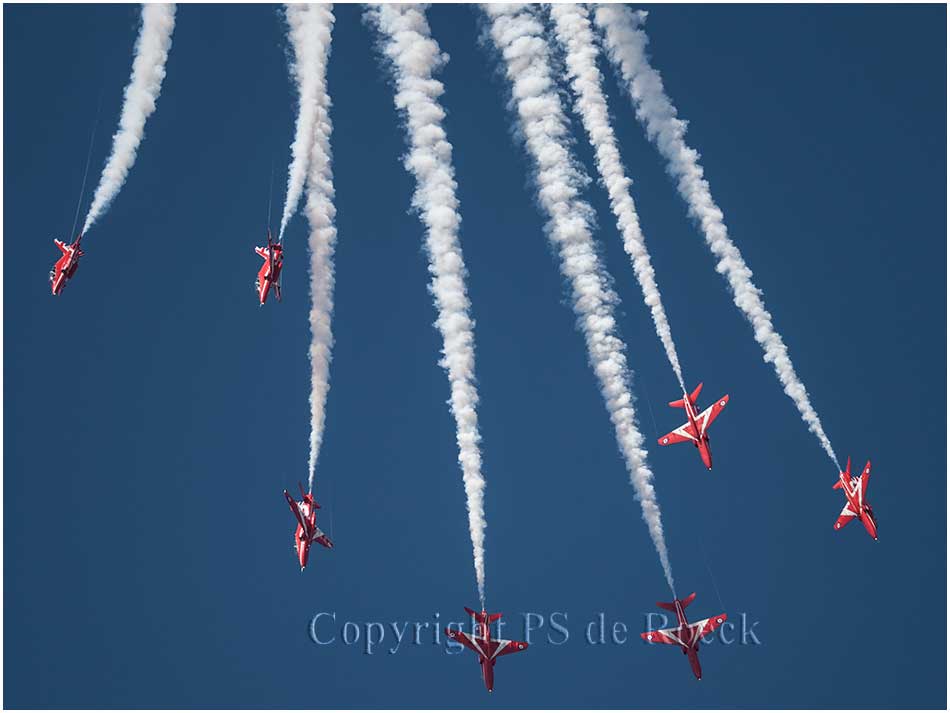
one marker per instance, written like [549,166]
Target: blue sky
[154,413]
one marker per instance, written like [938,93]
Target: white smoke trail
[148,71]
[573,31]
[309,32]
[519,37]
[626,44]
[414,57]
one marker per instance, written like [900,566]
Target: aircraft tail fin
[304,495]
[846,474]
[671,606]
[681,403]
[481,617]
[695,395]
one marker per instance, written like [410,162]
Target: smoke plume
[414,57]
[310,28]
[626,43]
[573,31]
[519,37]
[148,71]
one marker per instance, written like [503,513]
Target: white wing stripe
[502,643]
[681,431]
[671,633]
[474,642]
[697,629]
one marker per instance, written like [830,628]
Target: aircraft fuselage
[853,492]
[702,439]
[685,634]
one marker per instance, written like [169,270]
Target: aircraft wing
[706,626]
[295,510]
[664,636]
[682,434]
[706,418]
[865,476]
[321,537]
[466,640]
[845,517]
[262,252]
[506,647]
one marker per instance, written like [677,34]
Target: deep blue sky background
[154,413]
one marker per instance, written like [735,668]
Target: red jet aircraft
[307,531]
[487,648]
[855,488]
[687,636]
[269,274]
[66,266]
[696,426]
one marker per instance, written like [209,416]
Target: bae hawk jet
[687,636]
[269,274]
[855,487]
[66,266]
[305,510]
[487,648]
[696,428]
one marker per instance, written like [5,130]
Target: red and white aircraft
[487,648]
[307,532]
[269,274]
[687,636]
[855,488]
[66,266]
[697,425]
